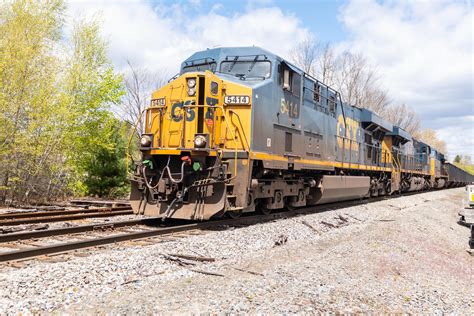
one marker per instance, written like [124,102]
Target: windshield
[200,67]
[247,69]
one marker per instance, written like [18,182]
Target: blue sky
[423,50]
[320,16]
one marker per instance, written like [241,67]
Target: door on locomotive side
[287,128]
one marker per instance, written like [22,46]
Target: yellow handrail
[241,127]
[244,142]
[127,149]
[226,119]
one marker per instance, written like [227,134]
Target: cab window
[200,67]
[247,69]
[290,80]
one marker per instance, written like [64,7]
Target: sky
[423,50]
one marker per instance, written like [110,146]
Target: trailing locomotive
[241,129]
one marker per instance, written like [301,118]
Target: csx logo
[177,110]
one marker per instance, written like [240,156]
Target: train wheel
[264,209]
[233,214]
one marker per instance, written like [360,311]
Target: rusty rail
[16,215]
[62,216]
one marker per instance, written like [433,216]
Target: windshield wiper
[253,63]
[233,64]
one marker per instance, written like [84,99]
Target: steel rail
[74,230]
[104,203]
[93,242]
[49,219]
[15,215]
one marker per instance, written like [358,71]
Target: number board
[237,99]
[158,102]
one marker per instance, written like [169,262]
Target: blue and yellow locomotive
[241,129]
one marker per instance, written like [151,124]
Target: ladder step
[230,196]
[235,208]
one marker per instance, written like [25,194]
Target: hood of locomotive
[198,113]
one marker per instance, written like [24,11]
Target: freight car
[242,129]
[456,175]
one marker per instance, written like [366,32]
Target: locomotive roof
[220,53]
[400,132]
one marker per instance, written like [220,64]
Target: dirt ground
[410,259]
[403,255]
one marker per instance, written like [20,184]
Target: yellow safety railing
[228,127]
[218,111]
[127,149]
[135,127]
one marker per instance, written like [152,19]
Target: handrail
[127,149]
[226,119]
[245,143]
[242,128]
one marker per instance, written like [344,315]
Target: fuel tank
[340,188]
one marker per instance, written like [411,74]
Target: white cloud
[196,3]
[459,137]
[425,56]
[162,36]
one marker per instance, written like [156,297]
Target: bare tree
[404,117]
[351,74]
[430,137]
[316,59]
[139,83]
[305,55]
[358,83]
[466,160]
[326,70]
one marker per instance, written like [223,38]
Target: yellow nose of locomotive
[197,112]
[195,129]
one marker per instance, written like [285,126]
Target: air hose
[166,168]
[169,172]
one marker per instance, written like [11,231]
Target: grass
[468,168]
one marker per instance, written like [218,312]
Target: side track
[11,219]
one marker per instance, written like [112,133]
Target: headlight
[145,140]
[200,141]
[191,83]
[191,91]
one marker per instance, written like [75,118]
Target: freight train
[242,130]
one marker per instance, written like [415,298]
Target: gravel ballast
[406,254]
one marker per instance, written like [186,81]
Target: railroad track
[19,218]
[143,229]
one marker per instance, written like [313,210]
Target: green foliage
[464,162]
[468,168]
[55,95]
[105,167]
